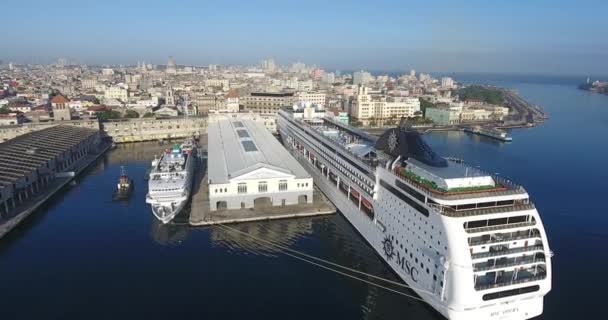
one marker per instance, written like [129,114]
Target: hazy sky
[567,37]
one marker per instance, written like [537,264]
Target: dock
[201,214]
[42,193]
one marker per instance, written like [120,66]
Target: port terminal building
[248,166]
[30,162]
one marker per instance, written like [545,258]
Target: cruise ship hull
[166,204]
[383,229]
[367,229]
[374,237]
[166,211]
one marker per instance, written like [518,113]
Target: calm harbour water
[84,256]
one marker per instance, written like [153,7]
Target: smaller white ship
[170,180]
[489,132]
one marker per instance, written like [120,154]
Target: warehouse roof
[24,154]
[238,147]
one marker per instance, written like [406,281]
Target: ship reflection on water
[328,238]
[261,238]
[340,244]
[169,234]
[348,248]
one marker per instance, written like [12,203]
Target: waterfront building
[30,162]
[443,115]
[248,166]
[365,106]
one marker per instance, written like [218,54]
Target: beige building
[61,108]
[317,98]
[247,166]
[117,93]
[218,83]
[366,106]
[264,102]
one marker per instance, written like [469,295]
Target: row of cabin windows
[346,170]
[398,207]
[334,155]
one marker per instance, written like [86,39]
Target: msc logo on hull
[390,252]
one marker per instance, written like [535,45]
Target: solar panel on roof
[238,124]
[249,146]
[243,133]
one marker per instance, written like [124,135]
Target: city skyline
[547,37]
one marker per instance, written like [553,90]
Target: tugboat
[124,186]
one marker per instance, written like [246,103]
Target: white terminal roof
[239,146]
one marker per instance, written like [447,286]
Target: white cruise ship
[170,180]
[471,244]
[489,132]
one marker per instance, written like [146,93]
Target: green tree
[108,114]
[355,123]
[4,110]
[425,104]
[485,94]
[149,115]
[131,114]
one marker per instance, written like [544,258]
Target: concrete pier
[201,215]
[23,210]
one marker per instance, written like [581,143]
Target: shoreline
[63,178]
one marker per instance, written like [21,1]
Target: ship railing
[451,212]
[511,236]
[539,276]
[505,182]
[483,255]
[513,262]
[501,227]
[337,145]
[453,195]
